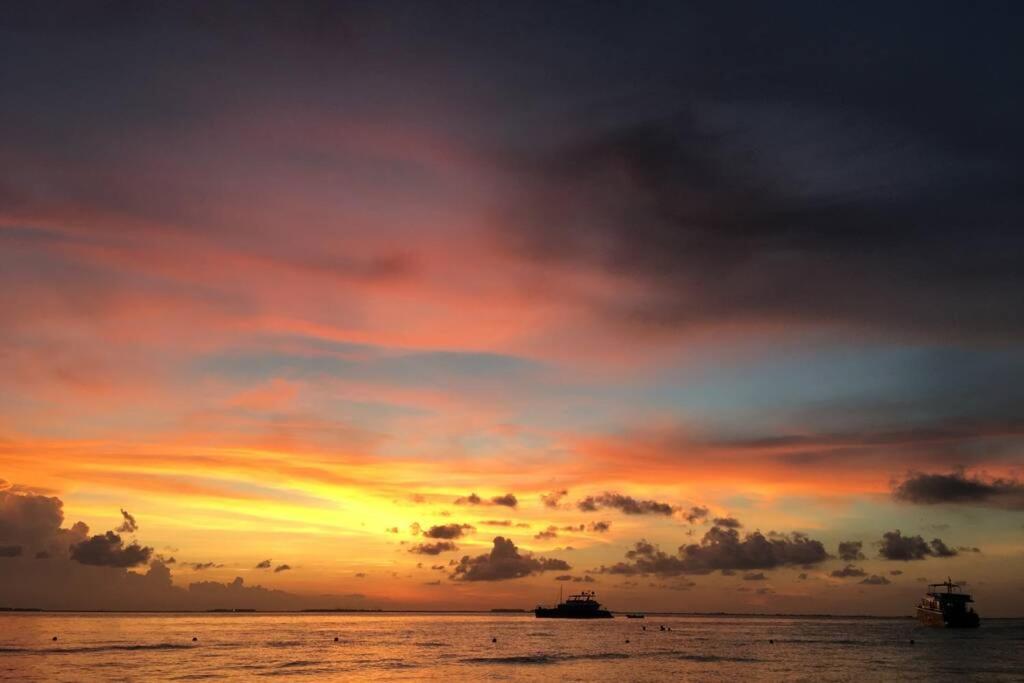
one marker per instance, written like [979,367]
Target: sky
[701,306]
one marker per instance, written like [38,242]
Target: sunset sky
[715,307]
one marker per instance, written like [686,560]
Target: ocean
[512,647]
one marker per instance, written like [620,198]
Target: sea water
[515,647]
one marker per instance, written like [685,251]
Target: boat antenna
[559,593]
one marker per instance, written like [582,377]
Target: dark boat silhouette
[947,608]
[582,606]
[635,616]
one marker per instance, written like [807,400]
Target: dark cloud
[722,549]
[586,578]
[10,550]
[448,531]
[727,522]
[940,549]
[876,580]
[957,488]
[504,562]
[129,525]
[724,207]
[600,527]
[29,519]
[850,551]
[553,498]
[895,546]
[625,504]
[433,548]
[281,568]
[108,550]
[507,500]
[848,571]
[89,573]
[968,549]
[265,564]
[200,566]
[696,514]
[549,533]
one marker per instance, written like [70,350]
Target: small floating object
[911,641]
[494,640]
[335,638]
[194,639]
[771,642]
[55,638]
[643,628]
[627,640]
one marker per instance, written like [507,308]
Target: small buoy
[627,640]
[494,640]
[335,638]
[194,639]
[643,628]
[911,641]
[55,638]
[771,642]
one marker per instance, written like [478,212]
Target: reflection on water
[416,646]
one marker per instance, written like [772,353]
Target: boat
[635,616]
[947,608]
[581,606]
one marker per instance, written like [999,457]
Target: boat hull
[937,619]
[553,613]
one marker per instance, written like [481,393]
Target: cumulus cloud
[265,564]
[895,546]
[507,500]
[625,504]
[696,514]
[848,571]
[281,568]
[553,498]
[104,572]
[727,522]
[600,527]
[504,562]
[722,549]
[957,488]
[108,550]
[200,566]
[549,533]
[876,580]
[433,548]
[448,531]
[128,525]
[850,551]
